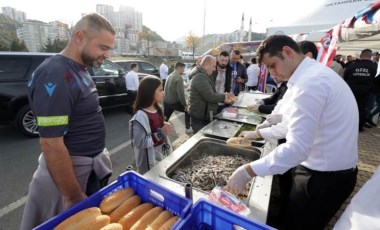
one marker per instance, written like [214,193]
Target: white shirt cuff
[260,168]
[266,133]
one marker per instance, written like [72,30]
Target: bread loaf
[160,220]
[147,218]
[115,199]
[93,223]
[134,215]
[169,223]
[78,217]
[112,226]
[131,203]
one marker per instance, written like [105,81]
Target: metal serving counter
[258,196]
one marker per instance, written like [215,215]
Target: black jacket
[360,75]
[227,84]
[271,102]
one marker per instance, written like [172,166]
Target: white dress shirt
[323,124]
[132,81]
[163,71]
[253,72]
[279,130]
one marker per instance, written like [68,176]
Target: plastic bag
[228,200]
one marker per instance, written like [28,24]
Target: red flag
[328,45]
[262,79]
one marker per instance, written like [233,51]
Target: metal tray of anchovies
[222,129]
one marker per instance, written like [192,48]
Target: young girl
[147,127]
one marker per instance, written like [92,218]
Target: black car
[15,71]
[145,68]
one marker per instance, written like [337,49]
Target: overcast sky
[173,19]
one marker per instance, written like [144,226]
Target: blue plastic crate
[208,216]
[147,190]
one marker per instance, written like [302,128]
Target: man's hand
[230,98]
[249,135]
[263,125]
[239,80]
[68,202]
[238,180]
[274,118]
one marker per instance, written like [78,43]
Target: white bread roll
[160,220]
[133,216]
[115,199]
[78,217]
[93,223]
[147,218]
[169,223]
[112,226]
[131,203]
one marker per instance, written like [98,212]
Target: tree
[18,45]
[4,46]
[54,47]
[192,42]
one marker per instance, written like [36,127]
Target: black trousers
[197,124]
[94,184]
[362,101]
[315,197]
[170,108]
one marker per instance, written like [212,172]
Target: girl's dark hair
[145,94]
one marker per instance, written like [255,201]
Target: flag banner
[328,45]
[262,78]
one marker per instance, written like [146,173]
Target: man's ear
[80,36]
[287,51]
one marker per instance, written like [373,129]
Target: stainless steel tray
[253,119]
[247,98]
[221,128]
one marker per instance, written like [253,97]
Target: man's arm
[60,166]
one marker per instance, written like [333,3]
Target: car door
[110,82]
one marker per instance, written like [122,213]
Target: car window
[124,65]
[13,68]
[107,68]
[147,67]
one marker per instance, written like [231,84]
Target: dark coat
[271,102]
[360,75]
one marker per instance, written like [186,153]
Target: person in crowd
[323,159]
[238,74]
[164,70]
[267,105]
[132,83]
[359,76]
[338,59]
[309,49]
[253,72]
[147,127]
[373,107]
[64,100]
[172,66]
[204,99]
[222,76]
[174,98]
[337,67]
[350,60]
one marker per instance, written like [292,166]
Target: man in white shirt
[322,137]
[253,72]
[132,83]
[164,69]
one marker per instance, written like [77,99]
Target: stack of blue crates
[208,216]
[147,190]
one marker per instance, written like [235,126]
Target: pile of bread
[121,210]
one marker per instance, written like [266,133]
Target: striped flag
[328,45]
